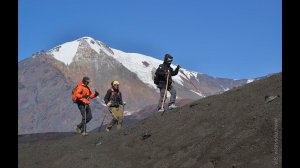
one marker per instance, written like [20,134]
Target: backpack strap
[82,90]
[113,93]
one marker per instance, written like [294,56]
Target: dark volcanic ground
[238,128]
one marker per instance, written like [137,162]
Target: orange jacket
[83,90]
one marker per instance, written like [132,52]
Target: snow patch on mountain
[139,64]
[97,45]
[184,74]
[128,113]
[93,44]
[65,52]
[144,66]
[200,94]
[250,80]
[224,89]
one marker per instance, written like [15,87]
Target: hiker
[161,81]
[113,100]
[83,94]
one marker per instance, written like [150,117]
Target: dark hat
[85,78]
[168,58]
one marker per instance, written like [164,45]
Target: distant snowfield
[250,80]
[66,52]
[143,66]
[139,64]
[200,94]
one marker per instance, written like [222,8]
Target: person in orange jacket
[83,94]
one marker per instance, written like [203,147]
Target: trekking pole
[190,81]
[85,119]
[99,142]
[166,88]
[102,122]
[123,113]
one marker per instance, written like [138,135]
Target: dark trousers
[172,98]
[84,110]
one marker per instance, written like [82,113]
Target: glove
[108,104]
[178,66]
[85,96]
[96,93]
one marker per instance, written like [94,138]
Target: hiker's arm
[91,95]
[173,73]
[106,98]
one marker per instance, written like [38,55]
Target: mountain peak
[67,51]
[86,38]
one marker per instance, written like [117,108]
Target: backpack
[155,78]
[74,98]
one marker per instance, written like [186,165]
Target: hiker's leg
[82,111]
[89,115]
[112,122]
[120,117]
[114,119]
[173,95]
[162,92]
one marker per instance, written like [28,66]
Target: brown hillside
[239,128]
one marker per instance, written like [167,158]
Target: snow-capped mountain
[142,65]
[46,79]
[67,51]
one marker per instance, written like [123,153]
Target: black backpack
[155,78]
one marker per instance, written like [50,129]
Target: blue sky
[223,38]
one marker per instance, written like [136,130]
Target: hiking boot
[78,130]
[84,134]
[172,106]
[161,110]
[107,129]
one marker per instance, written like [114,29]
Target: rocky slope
[239,128]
